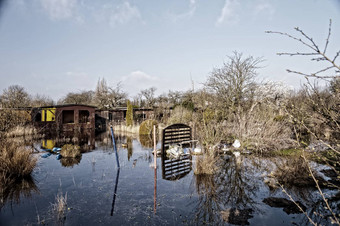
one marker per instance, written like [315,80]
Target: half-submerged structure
[64,118]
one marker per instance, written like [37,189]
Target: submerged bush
[146,127]
[206,165]
[16,161]
[70,162]
[70,151]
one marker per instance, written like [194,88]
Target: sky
[53,47]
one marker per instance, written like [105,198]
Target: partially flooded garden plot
[238,192]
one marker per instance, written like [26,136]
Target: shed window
[68,116]
[84,116]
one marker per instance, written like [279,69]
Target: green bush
[146,128]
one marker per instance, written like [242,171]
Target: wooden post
[155,166]
[154,146]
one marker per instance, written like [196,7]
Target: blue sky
[53,47]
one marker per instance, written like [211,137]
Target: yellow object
[48,115]
[48,144]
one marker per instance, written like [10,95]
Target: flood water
[98,193]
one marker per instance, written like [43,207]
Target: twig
[329,34]
[297,204]
[320,191]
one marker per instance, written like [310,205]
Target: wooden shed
[68,117]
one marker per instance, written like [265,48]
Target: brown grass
[59,207]
[262,130]
[16,161]
[70,151]
[206,164]
[21,130]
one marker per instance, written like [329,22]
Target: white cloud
[186,15]
[119,14]
[138,80]
[228,13]
[112,13]
[59,9]
[264,8]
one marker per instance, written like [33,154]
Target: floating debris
[237,144]
[46,155]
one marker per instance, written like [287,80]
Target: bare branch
[329,34]
[314,75]
[292,37]
[320,191]
[316,48]
[298,54]
[336,56]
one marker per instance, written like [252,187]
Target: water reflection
[115,192]
[70,162]
[231,190]
[11,190]
[129,147]
[85,140]
[146,140]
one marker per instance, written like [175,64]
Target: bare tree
[83,97]
[15,96]
[108,97]
[234,82]
[116,96]
[148,96]
[101,94]
[41,100]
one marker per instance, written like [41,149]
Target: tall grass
[16,161]
[206,164]
[59,208]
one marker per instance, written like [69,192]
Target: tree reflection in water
[11,189]
[229,191]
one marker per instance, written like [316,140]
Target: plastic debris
[237,144]
[59,156]
[45,155]
[55,149]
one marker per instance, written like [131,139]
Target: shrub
[206,165]
[180,115]
[16,161]
[146,127]
[70,162]
[70,151]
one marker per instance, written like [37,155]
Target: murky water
[98,193]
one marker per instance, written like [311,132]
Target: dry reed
[60,207]
[70,151]
[206,164]
[16,161]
